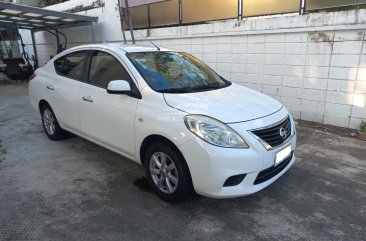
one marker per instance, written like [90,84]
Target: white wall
[314,64]
[107,29]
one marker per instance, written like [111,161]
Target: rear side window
[71,65]
[105,68]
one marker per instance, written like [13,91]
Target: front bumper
[211,166]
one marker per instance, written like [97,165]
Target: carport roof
[37,19]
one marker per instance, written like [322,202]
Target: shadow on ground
[76,190]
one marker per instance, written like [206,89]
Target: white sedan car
[191,129]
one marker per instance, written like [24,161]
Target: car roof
[128,48]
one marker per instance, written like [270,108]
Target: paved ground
[75,190]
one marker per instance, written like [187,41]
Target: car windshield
[175,72]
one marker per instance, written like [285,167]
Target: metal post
[58,49]
[239,9]
[130,21]
[34,50]
[121,16]
[180,12]
[148,21]
[92,32]
[302,9]
[15,50]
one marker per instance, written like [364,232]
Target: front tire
[51,125]
[167,173]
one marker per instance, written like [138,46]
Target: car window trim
[131,82]
[111,52]
[87,67]
[63,64]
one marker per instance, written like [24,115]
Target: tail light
[32,76]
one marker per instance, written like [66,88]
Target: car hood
[231,104]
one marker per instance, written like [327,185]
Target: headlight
[214,132]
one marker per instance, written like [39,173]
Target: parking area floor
[76,190]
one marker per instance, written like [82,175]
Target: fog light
[234,180]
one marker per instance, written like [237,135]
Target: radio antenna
[157,47]
[154,45]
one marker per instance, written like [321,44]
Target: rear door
[107,118]
[65,88]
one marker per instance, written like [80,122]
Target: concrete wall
[314,64]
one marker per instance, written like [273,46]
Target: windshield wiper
[191,89]
[174,90]
[207,87]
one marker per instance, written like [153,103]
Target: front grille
[234,180]
[268,173]
[272,135]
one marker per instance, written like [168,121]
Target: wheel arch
[156,138]
[41,103]
[153,138]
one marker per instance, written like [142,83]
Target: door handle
[50,87]
[87,98]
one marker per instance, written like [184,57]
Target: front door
[107,118]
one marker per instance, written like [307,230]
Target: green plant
[362,127]
[45,3]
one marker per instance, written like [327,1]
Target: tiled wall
[318,76]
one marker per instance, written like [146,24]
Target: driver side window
[105,68]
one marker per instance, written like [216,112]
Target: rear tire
[167,173]
[51,125]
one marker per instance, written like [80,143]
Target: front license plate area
[282,155]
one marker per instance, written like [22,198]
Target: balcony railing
[188,12]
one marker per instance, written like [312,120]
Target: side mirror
[119,87]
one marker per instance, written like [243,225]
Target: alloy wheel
[163,172]
[49,122]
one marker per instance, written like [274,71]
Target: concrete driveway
[76,190]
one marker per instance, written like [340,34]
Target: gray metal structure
[36,19]
[16,16]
